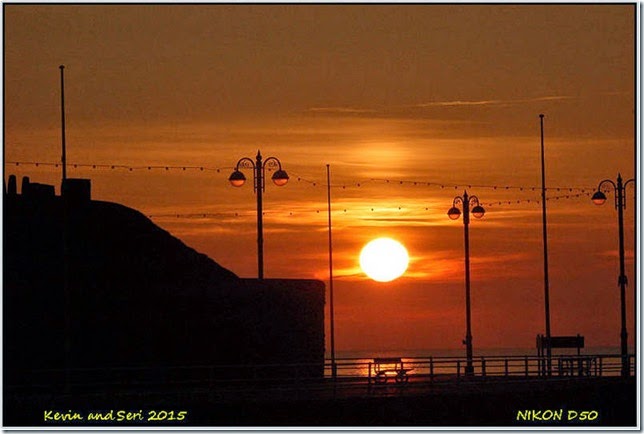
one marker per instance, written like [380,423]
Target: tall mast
[62,120]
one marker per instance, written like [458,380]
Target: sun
[384,259]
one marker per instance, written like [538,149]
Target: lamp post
[620,203]
[237,179]
[546,284]
[454,213]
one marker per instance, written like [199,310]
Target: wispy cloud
[341,110]
[616,93]
[452,103]
[491,102]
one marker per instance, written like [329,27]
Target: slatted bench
[385,367]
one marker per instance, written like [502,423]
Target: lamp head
[280,177]
[237,178]
[598,198]
[478,211]
[454,213]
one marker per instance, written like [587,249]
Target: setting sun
[384,259]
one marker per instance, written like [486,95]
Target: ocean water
[460,352]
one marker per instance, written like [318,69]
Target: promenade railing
[310,377]
[433,368]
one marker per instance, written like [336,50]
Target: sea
[460,352]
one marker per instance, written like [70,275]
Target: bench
[581,366]
[385,367]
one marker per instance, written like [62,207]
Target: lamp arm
[241,160]
[605,181]
[474,201]
[608,181]
[457,200]
[624,191]
[264,164]
[279,165]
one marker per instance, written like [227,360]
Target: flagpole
[62,120]
[545,254]
[331,313]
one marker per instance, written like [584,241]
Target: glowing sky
[446,95]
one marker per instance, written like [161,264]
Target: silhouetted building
[36,191]
[77,190]
[104,282]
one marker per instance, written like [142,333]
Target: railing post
[506,368]
[595,364]
[601,366]
[458,369]
[431,369]
[527,372]
[483,366]
[369,375]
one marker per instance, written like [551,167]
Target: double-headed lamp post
[237,179]
[620,203]
[454,213]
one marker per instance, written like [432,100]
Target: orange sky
[447,95]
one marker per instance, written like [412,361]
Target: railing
[355,374]
[432,368]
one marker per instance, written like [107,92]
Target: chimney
[13,187]
[25,185]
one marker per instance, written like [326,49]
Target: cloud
[454,103]
[616,93]
[342,110]
[629,254]
[493,102]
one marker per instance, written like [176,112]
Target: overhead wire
[571,192]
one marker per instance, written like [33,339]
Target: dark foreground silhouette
[538,403]
[93,287]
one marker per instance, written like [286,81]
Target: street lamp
[454,213]
[599,198]
[237,179]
